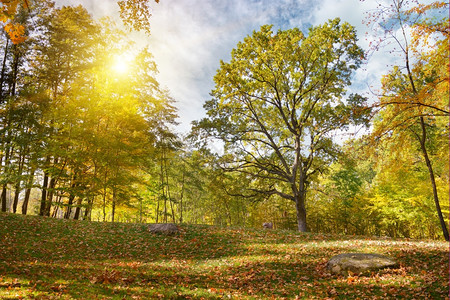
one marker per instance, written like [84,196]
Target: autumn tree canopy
[134,13]
[279,101]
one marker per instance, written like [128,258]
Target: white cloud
[189,38]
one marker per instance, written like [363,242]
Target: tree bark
[7,163]
[26,199]
[87,211]
[113,212]
[181,197]
[301,213]
[18,181]
[51,192]
[78,209]
[2,77]
[422,140]
[15,70]
[69,206]
[432,179]
[71,197]
[16,196]
[4,190]
[44,195]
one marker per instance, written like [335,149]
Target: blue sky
[190,37]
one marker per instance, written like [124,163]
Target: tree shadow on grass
[67,259]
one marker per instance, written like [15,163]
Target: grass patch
[44,258]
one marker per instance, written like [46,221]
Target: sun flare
[121,64]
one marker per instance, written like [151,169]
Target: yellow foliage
[16,32]
[9,8]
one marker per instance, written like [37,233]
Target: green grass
[43,258]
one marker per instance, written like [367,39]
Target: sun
[121,64]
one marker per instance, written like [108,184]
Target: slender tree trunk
[18,181]
[422,140]
[104,204]
[51,192]
[15,70]
[55,211]
[164,196]
[168,190]
[157,209]
[113,212]
[26,199]
[7,163]
[87,211]
[2,77]
[104,197]
[44,189]
[44,195]
[140,210]
[432,179]
[71,198]
[181,198]
[16,196]
[4,192]
[69,206]
[78,209]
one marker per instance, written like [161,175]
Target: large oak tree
[278,103]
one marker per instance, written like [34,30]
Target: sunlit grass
[45,258]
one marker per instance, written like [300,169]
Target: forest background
[86,136]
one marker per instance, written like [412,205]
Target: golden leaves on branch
[8,9]
[16,32]
[136,13]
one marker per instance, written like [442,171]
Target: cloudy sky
[190,37]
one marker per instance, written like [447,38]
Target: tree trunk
[44,195]
[26,200]
[16,196]
[299,193]
[432,179]
[4,190]
[301,214]
[113,212]
[140,210]
[2,77]
[422,140]
[157,209]
[87,211]
[7,163]
[51,192]
[15,70]
[28,192]
[18,181]
[55,211]
[71,198]
[78,209]
[69,206]
[104,205]
[181,198]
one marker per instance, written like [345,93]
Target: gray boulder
[268,225]
[359,263]
[165,228]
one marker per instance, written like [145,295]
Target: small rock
[165,228]
[268,225]
[359,263]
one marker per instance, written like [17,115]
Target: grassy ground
[42,258]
